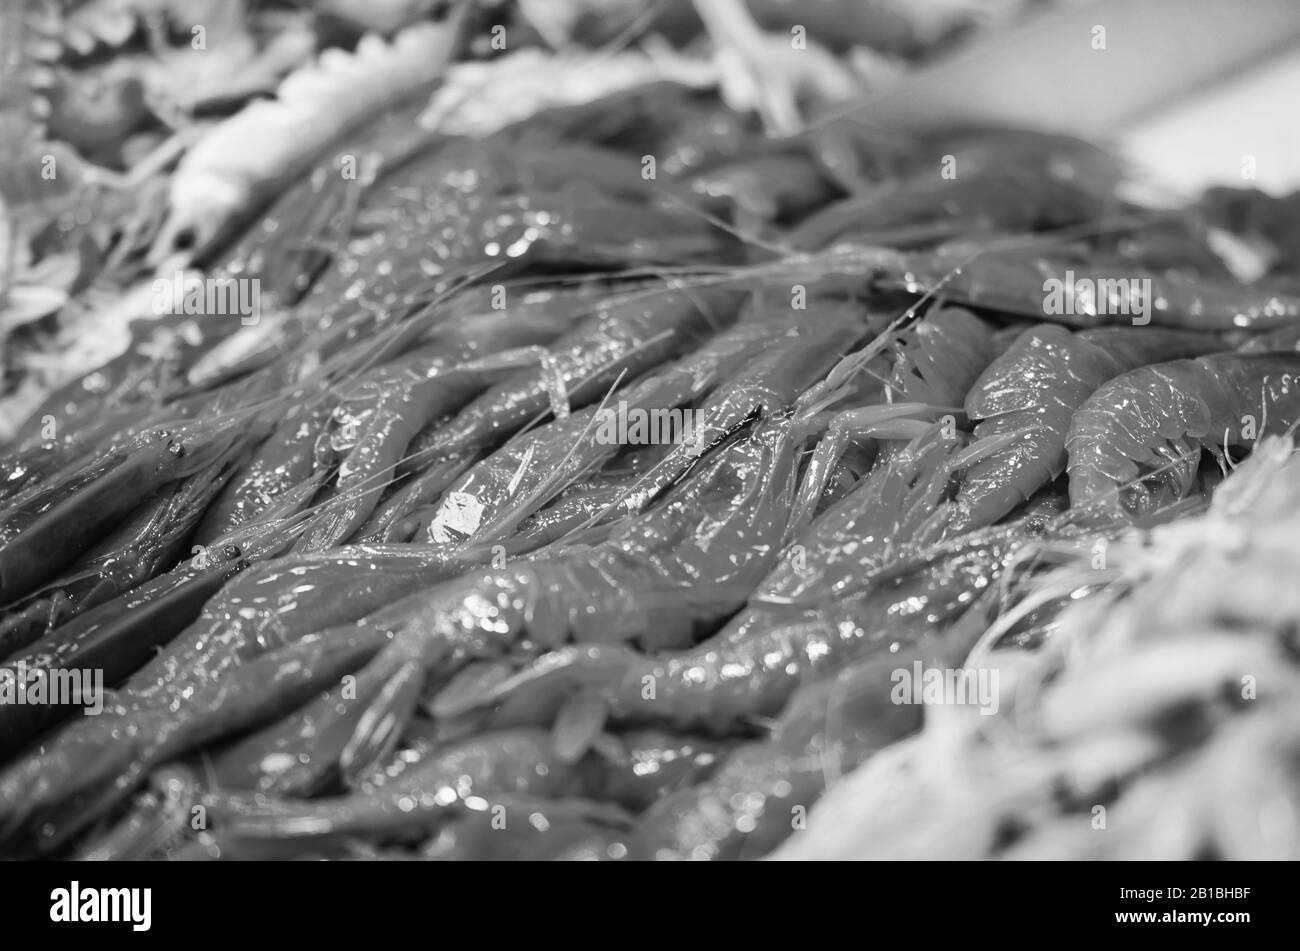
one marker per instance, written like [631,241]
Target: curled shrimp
[1032,391]
[1137,440]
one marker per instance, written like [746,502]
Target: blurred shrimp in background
[409,539]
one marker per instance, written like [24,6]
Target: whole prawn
[1137,440]
[1033,390]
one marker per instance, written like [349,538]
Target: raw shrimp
[359,415]
[1032,391]
[426,786]
[111,641]
[626,336]
[118,636]
[904,504]
[398,516]
[284,459]
[310,224]
[921,210]
[444,210]
[789,632]
[1021,280]
[658,579]
[122,633]
[1137,440]
[521,476]
[580,507]
[499,206]
[274,605]
[47,531]
[150,540]
[381,414]
[935,360]
[1032,277]
[428,783]
[752,667]
[582,225]
[286,599]
[772,382]
[88,767]
[759,793]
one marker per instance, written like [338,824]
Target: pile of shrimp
[1159,721]
[393,571]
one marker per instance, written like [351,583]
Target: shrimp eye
[184,239]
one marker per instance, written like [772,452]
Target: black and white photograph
[650,430]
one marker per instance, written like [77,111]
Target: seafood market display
[603,475]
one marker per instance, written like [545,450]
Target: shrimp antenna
[551,484]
